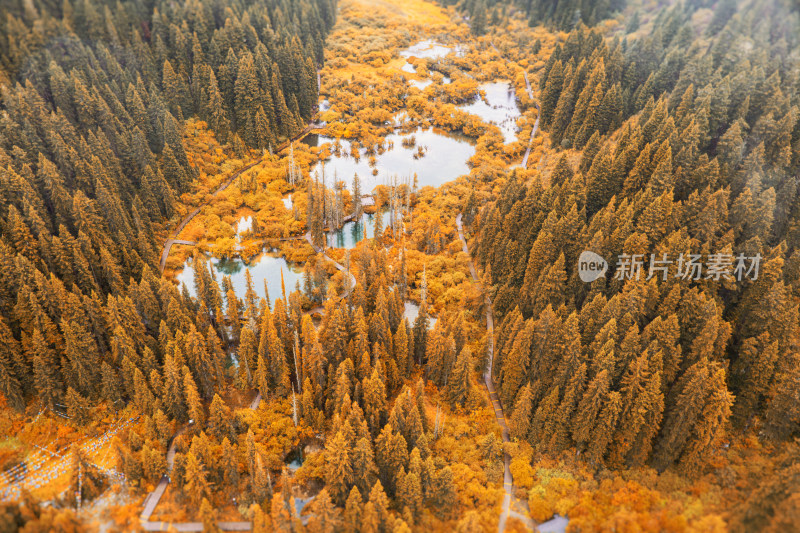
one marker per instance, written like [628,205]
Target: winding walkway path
[173,237]
[535,124]
[509,499]
[152,499]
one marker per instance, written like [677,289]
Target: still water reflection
[444,158]
[499,108]
[264,268]
[429,49]
[352,232]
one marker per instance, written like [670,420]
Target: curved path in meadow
[173,237]
[508,481]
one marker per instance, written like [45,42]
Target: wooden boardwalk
[339,267]
[509,500]
[535,124]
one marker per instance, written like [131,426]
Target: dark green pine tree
[45,371]
[460,384]
[246,92]
[13,371]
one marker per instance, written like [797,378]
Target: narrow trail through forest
[173,238]
[153,498]
[535,124]
[509,499]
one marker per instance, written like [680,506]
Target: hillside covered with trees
[682,138]
[93,161]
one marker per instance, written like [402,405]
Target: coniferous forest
[374,266]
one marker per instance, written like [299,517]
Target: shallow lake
[429,49]
[445,159]
[352,232]
[263,268]
[499,108]
[244,224]
[420,84]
